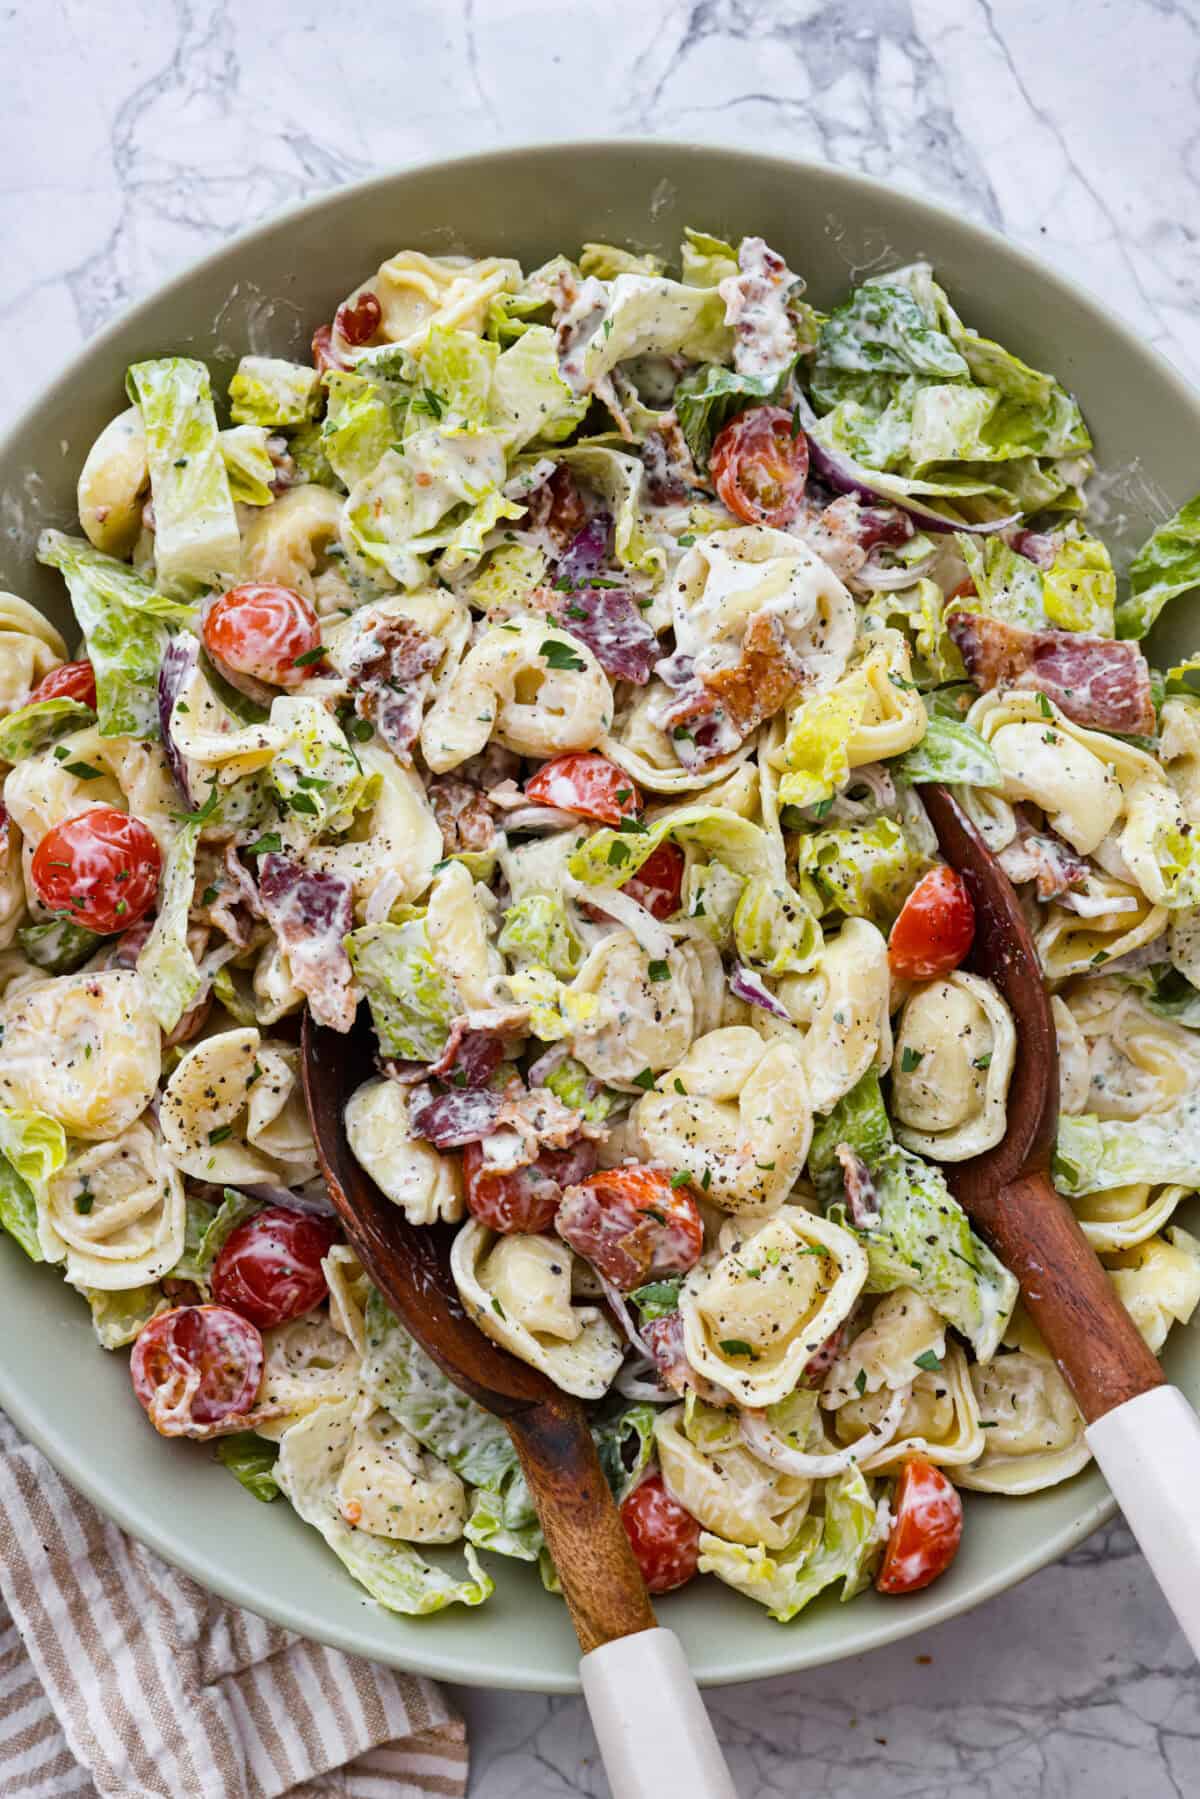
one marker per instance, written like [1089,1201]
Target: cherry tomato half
[196,1369]
[658,883]
[590,785]
[935,929]
[69,681]
[264,630]
[632,1225]
[665,1536]
[759,466]
[926,1531]
[269,1268]
[528,1198]
[101,868]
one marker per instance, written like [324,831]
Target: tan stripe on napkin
[124,1678]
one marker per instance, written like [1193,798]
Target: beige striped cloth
[121,1677]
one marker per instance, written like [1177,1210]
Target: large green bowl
[266,291]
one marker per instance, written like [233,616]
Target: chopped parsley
[560,655]
[910,1059]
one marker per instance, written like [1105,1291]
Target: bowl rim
[119,1502]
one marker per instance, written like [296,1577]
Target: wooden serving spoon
[1143,1433]
[654,1733]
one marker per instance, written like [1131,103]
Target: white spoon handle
[654,1733]
[1149,1453]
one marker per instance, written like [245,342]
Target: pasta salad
[553,666]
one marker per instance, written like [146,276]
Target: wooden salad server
[1143,1433]
[654,1733]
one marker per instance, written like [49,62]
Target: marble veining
[136,135]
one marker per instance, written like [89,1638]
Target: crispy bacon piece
[732,702]
[310,912]
[464,816]
[663,1337]
[670,471]
[386,672]
[452,1120]
[1042,857]
[1093,680]
[557,507]
[611,623]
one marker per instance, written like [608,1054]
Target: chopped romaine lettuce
[248,464]
[1007,586]
[774,930]
[363,419]
[251,1460]
[649,315]
[575,1087]
[840,1546]
[814,752]
[1093,1153]
[609,858]
[529,398]
[706,261]
[538,931]
[1079,589]
[412,1004]
[197,544]
[608,260]
[59,945]
[414,500]
[708,399]
[950,751]
[618,478]
[25,731]
[206,1232]
[118,1317]
[126,625]
[863,871]
[267,390]
[1167,564]
[456,368]
[859,1119]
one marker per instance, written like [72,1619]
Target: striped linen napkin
[121,1678]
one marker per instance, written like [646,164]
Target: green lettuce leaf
[862,871]
[923,1240]
[815,755]
[267,390]
[311,1455]
[1095,1153]
[707,399]
[572,1084]
[248,464]
[251,1460]
[456,368]
[919,612]
[859,1119]
[412,1004]
[306,448]
[706,261]
[658,1299]
[608,260]
[882,328]
[625,1444]
[363,419]
[27,729]
[618,478]
[33,1147]
[419,495]
[126,624]
[18,1211]
[774,931]
[537,931]
[1007,586]
[59,945]
[1167,564]
[207,1230]
[504,1519]
[320,782]
[949,751]
[197,544]
[529,398]
[710,896]
[165,962]
[607,858]
[840,1546]
[649,315]
[118,1317]
[1079,589]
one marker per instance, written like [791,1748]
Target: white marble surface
[135,134]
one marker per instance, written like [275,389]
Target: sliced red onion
[638,1380]
[621,1312]
[311,1198]
[745,984]
[585,555]
[541,1070]
[844,475]
[175,671]
[862,1200]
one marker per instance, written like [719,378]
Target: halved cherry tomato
[658,883]
[269,1268]
[196,1370]
[632,1225]
[69,681]
[590,785]
[358,324]
[935,929]
[759,466]
[926,1531]
[101,868]
[528,1198]
[264,630]
[665,1536]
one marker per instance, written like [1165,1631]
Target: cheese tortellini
[114,1213]
[425,1185]
[735,1111]
[640,745]
[527,685]
[85,1049]
[518,1291]
[1032,1429]
[844,1004]
[297,541]
[29,648]
[724,1486]
[114,484]
[954,1053]
[233,1111]
[307,1363]
[416,291]
[641,1019]
[758,1309]
[1158,1281]
[392,1487]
